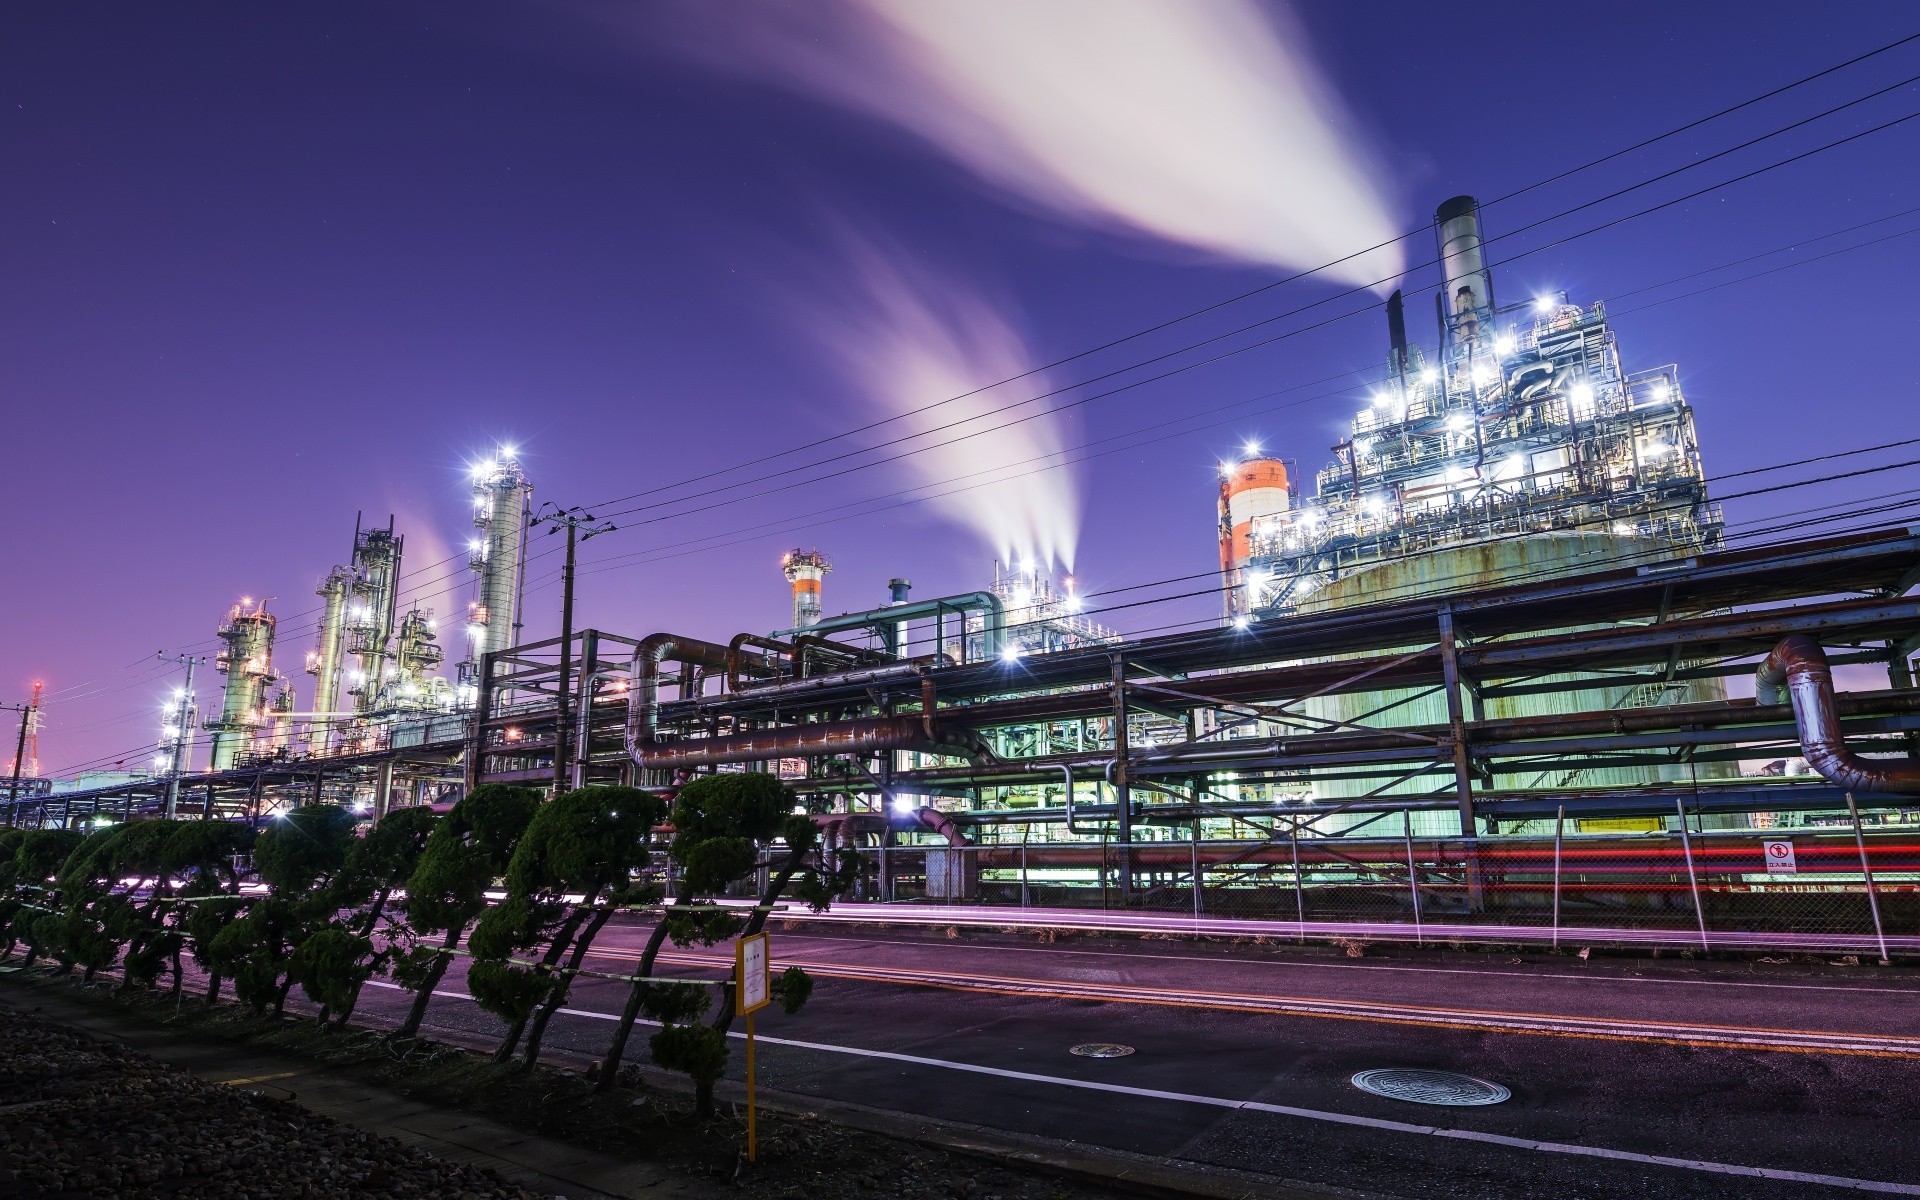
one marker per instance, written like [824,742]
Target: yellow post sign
[752,991]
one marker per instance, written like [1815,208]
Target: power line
[1190,315]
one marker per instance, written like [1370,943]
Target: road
[1243,1056]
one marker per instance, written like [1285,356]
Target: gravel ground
[80,1118]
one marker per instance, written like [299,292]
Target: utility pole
[579,526]
[27,714]
[184,713]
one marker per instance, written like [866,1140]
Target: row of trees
[330,906]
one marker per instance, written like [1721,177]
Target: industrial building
[1507,610]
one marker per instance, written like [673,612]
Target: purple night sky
[269,265]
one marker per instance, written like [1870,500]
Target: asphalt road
[1243,1055]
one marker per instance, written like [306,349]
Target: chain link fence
[1836,881]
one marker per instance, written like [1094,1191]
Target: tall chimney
[1397,360]
[804,569]
[1466,288]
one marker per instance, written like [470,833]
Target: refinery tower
[1521,449]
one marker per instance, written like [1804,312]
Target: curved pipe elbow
[1797,671]
[934,820]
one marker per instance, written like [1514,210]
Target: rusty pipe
[862,736]
[736,662]
[643,681]
[1799,667]
[938,822]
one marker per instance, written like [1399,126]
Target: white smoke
[1201,122]
[910,337]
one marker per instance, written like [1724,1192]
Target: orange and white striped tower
[804,569]
[1249,489]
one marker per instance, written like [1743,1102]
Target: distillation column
[501,495]
[246,659]
[323,661]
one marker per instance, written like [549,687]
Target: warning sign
[1780,858]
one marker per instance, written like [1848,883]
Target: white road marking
[1310,1114]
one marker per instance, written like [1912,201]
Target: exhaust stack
[804,569]
[1466,293]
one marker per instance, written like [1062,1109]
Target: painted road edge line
[1309,1114]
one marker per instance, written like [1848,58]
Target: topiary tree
[467,850]
[587,843]
[36,860]
[377,865]
[722,824]
[199,856]
[298,856]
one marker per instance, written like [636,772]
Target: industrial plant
[1505,610]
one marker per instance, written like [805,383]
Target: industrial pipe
[736,660]
[940,823]
[1801,666]
[863,736]
[887,621]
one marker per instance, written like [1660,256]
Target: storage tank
[1252,489]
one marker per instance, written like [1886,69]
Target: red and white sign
[1780,858]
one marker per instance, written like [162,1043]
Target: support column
[383,790]
[1456,720]
[1122,792]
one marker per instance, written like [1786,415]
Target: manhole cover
[1102,1050]
[1429,1087]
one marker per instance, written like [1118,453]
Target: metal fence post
[1196,868]
[1693,880]
[1559,824]
[1024,900]
[1873,901]
[1299,894]
[1413,877]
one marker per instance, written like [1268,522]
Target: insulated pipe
[863,736]
[643,681]
[736,661]
[1800,665]
[892,615]
[942,824]
[1066,775]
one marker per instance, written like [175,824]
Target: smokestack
[1397,335]
[1249,490]
[804,569]
[1466,287]
[897,590]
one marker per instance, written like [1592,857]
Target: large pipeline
[1800,666]
[863,736]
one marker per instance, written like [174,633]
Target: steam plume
[1200,122]
[906,337]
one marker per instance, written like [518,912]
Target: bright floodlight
[1543,304]
[1242,621]
[1010,654]
[507,452]
[1252,447]
[1430,375]
[903,804]
[1504,345]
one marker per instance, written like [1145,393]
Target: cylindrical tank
[246,659]
[323,662]
[1249,490]
[371,611]
[804,570]
[1467,289]
[500,497]
[1484,565]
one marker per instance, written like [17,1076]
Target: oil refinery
[1505,611]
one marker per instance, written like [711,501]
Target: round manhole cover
[1429,1087]
[1102,1050]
